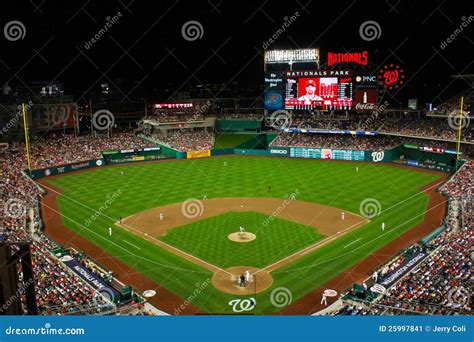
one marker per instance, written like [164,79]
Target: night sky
[144,48]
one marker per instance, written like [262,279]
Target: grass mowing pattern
[146,186]
[207,239]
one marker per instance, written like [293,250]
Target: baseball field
[304,223]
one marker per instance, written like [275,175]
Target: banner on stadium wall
[57,170]
[198,154]
[134,158]
[91,278]
[434,167]
[328,131]
[392,278]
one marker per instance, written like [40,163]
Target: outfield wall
[396,155]
[57,170]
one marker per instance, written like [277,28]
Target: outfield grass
[207,239]
[145,186]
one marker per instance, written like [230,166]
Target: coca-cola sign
[365,106]
[365,99]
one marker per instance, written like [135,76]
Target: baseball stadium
[316,194]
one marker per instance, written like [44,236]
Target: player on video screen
[310,93]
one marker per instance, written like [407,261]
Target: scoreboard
[326,153]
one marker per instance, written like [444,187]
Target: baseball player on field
[324,299]
[343,215]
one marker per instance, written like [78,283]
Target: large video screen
[318,92]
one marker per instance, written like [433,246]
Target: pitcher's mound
[242,237]
[228,281]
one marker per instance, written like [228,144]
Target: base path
[327,220]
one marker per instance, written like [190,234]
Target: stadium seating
[437,285]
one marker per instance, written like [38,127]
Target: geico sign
[279,151]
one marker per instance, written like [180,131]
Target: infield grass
[208,239]
[144,186]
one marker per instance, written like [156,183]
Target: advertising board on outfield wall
[327,153]
[57,170]
[198,154]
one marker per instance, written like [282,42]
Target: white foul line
[131,244]
[352,242]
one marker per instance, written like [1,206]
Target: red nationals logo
[391,76]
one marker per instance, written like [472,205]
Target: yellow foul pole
[460,129]
[27,137]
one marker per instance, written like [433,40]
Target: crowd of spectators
[58,291]
[461,189]
[453,103]
[63,149]
[335,141]
[434,127]
[187,140]
[176,117]
[441,284]
[361,142]
[411,124]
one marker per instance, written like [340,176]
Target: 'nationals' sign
[348,57]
